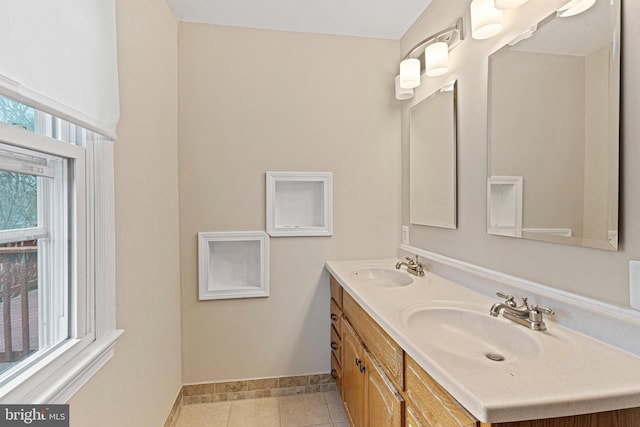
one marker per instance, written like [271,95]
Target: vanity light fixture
[508,4]
[410,73]
[436,59]
[486,20]
[436,51]
[402,94]
[574,7]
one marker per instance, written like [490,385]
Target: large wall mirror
[432,166]
[554,100]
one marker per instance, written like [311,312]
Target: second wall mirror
[432,152]
[554,103]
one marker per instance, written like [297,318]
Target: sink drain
[495,357]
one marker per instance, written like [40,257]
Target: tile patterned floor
[316,409]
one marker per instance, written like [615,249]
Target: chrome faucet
[529,316]
[414,267]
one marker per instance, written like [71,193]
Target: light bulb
[436,59]
[575,7]
[410,73]
[508,4]
[402,94]
[486,20]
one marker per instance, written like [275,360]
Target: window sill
[65,374]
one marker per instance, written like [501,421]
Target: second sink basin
[384,277]
[471,334]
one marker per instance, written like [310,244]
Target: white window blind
[60,56]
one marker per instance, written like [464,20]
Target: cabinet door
[411,419]
[431,402]
[384,405]
[353,376]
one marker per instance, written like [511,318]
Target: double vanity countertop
[447,329]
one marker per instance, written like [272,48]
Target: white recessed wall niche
[504,205]
[233,265]
[299,204]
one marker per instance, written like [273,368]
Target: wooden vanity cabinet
[382,347]
[431,405]
[372,371]
[384,406]
[381,386]
[336,331]
[369,397]
[354,378]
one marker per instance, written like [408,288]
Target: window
[35,244]
[57,319]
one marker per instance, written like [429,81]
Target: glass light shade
[410,73]
[436,59]
[575,7]
[508,4]
[486,20]
[402,94]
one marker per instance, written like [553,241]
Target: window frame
[62,370]
[58,187]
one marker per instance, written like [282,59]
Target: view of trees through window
[18,192]
[16,113]
[19,255]
[18,200]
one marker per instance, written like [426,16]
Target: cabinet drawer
[336,344]
[336,372]
[336,291]
[383,348]
[336,315]
[431,402]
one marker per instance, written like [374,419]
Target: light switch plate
[634,284]
[405,234]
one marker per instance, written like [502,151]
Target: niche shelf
[233,265]
[504,205]
[299,204]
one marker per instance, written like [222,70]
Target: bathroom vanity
[424,351]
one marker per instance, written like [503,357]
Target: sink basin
[471,334]
[383,277]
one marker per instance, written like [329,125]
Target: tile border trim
[258,388]
[176,408]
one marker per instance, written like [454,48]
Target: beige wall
[253,101]
[594,273]
[138,386]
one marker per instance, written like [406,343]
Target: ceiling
[387,19]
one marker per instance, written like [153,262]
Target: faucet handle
[511,300]
[543,310]
[414,261]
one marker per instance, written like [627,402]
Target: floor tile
[304,410]
[333,398]
[334,402]
[204,414]
[255,413]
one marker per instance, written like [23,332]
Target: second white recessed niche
[233,265]
[299,204]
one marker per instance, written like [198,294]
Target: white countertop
[569,374]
